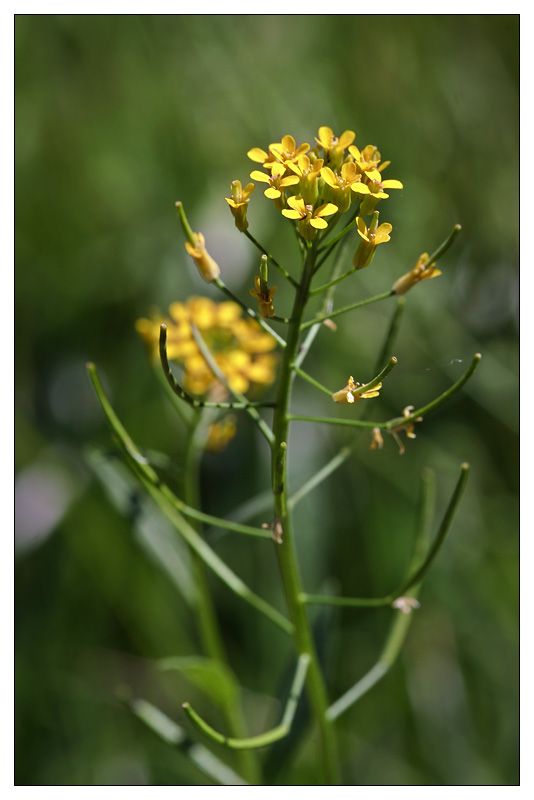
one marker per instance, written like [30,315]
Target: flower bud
[207,266]
[420,272]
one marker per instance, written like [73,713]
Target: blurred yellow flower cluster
[240,347]
[308,184]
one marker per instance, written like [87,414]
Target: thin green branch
[325,286]
[311,380]
[345,309]
[401,623]
[445,245]
[273,261]
[166,501]
[259,319]
[194,402]
[328,304]
[434,404]
[219,374]
[319,476]
[269,737]
[417,572]
[393,331]
[397,423]
[329,244]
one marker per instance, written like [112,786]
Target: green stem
[345,309]
[285,550]
[273,261]
[445,245]
[269,737]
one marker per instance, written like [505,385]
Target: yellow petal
[288,143]
[259,176]
[291,180]
[257,154]
[360,188]
[346,138]
[317,222]
[272,193]
[326,135]
[291,214]
[392,184]
[328,177]
[326,210]
[297,203]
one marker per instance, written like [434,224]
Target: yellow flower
[310,221]
[264,296]
[367,159]
[241,348]
[279,152]
[350,393]
[238,203]
[420,272]
[277,183]
[376,185]
[208,268]
[342,182]
[372,236]
[308,172]
[334,147]
[287,150]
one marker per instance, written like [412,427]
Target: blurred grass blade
[211,677]
[173,734]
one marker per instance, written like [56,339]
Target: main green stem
[210,633]
[285,550]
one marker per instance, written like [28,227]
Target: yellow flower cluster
[240,347]
[308,183]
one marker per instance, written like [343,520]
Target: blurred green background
[118,117]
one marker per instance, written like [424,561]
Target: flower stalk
[227,353]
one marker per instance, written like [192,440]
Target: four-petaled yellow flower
[287,151]
[341,183]
[208,268]
[376,185]
[279,152]
[310,220]
[264,296]
[277,183]
[334,147]
[420,272]
[372,236]
[350,393]
[367,159]
[238,203]
[241,348]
